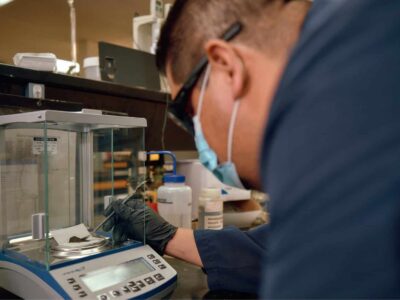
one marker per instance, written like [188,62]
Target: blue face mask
[225,172]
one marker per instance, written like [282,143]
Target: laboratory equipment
[91,67]
[211,209]
[36,61]
[67,67]
[146,29]
[128,66]
[46,62]
[199,177]
[174,197]
[72,15]
[5,2]
[57,168]
[237,211]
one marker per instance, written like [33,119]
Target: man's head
[247,68]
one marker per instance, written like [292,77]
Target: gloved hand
[136,221]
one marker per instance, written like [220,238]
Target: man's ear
[223,57]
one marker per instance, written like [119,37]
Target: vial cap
[213,193]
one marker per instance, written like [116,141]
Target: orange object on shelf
[117,165]
[108,185]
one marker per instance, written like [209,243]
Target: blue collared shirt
[331,158]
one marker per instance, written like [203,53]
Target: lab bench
[192,284]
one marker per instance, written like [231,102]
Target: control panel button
[82,294]
[156,261]
[76,287]
[149,280]
[159,277]
[71,280]
[126,290]
[162,267]
[140,284]
[135,289]
[116,293]
[131,283]
[103,297]
[151,256]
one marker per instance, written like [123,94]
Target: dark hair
[192,22]
[166,34]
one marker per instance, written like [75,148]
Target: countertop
[192,282]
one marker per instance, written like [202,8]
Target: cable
[164,127]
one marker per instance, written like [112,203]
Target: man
[231,258]
[330,153]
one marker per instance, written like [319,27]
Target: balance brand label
[38,145]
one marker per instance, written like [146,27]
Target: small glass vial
[211,209]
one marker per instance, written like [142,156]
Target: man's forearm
[183,246]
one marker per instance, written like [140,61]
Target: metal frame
[73,117]
[87,214]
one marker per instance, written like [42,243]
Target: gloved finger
[119,234]
[123,211]
[110,223]
[109,210]
[136,201]
[124,237]
[144,216]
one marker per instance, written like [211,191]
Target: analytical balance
[59,171]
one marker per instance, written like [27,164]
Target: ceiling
[44,26]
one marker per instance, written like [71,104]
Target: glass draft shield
[58,170]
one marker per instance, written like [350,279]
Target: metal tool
[123,202]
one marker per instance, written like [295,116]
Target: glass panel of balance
[59,171]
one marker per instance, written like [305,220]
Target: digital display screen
[110,276]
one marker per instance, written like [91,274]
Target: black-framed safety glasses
[180,109]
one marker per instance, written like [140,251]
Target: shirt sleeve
[232,258]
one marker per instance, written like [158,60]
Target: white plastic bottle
[174,198]
[211,209]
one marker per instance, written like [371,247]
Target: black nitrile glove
[135,220]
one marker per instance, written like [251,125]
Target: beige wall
[44,26]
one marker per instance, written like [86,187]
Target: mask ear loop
[203,91]
[232,124]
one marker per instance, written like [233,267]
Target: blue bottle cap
[171,178]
